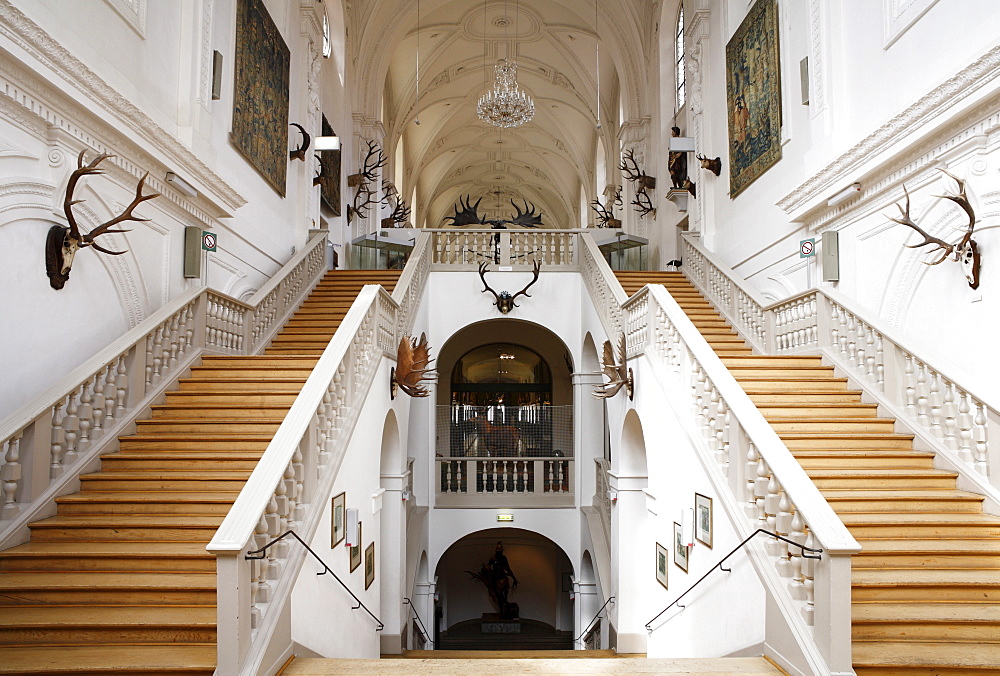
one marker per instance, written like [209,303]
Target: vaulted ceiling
[440,151]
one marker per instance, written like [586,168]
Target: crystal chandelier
[506,105]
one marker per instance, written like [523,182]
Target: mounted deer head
[320,171]
[714,166]
[643,204]
[412,367]
[62,243]
[615,367]
[300,152]
[965,251]
[374,160]
[631,171]
[504,301]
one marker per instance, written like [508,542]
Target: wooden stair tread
[130,521]
[880,473]
[925,577]
[884,545]
[909,518]
[71,616]
[912,653]
[123,659]
[127,549]
[12,581]
[488,663]
[928,612]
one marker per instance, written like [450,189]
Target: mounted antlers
[62,243]
[300,152]
[631,171]
[504,301]
[615,367]
[469,215]
[374,160]
[412,367]
[965,251]
[643,204]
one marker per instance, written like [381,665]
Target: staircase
[119,580]
[926,586]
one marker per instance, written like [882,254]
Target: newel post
[234,611]
[832,624]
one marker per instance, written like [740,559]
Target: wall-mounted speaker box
[216,75]
[830,252]
[192,252]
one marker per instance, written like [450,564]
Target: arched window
[501,374]
[679,50]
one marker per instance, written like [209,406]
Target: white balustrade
[922,396]
[45,443]
[504,247]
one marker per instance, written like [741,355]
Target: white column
[391,562]
[628,553]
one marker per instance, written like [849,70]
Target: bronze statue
[497,576]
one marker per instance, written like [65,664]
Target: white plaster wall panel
[46,332]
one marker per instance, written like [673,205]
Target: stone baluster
[260,588]
[982,440]
[834,326]
[965,426]
[281,510]
[935,401]
[771,502]
[710,413]
[808,581]
[852,347]
[949,411]
[750,473]
[85,413]
[157,354]
[783,527]
[58,447]
[110,393]
[323,426]
[923,392]
[149,360]
[298,489]
[273,521]
[760,492]
[797,534]
[10,477]
[121,388]
[97,404]
[723,420]
[909,386]
[72,426]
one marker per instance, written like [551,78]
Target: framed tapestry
[260,99]
[753,94]
[329,184]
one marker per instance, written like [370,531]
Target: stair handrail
[300,462]
[718,565]
[423,629]
[925,394]
[258,554]
[80,415]
[586,631]
[554,248]
[410,286]
[605,291]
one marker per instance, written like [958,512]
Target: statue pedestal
[492,624]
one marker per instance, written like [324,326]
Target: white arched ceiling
[451,153]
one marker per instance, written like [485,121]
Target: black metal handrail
[587,630]
[423,629]
[728,570]
[252,556]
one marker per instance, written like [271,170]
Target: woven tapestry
[260,100]
[753,93]
[329,186]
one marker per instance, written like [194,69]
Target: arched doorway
[542,616]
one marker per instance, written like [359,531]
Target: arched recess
[589,599]
[631,542]
[632,458]
[390,562]
[543,571]
[593,415]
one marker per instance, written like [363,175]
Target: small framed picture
[369,565]
[337,514]
[661,564]
[356,551]
[680,549]
[703,519]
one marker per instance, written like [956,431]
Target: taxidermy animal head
[615,367]
[300,152]
[62,243]
[965,251]
[714,166]
[412,367]
[504,301]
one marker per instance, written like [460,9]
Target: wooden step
[941,525]
[882,500]
[239,386]
[235,411]
[928,553]
[901,479]
[126,527]
[157,502]
[808,373]
[178,424]
[818,425]
[944,659]
[965,622]
[840,410]
[801,385]
[152,481]
[961,585]
[759,361]
[57,625]
[261,397]
[815,396]
[19,588]
[134,557]
[204,442]
[862,440]
[859,459]
[85,660]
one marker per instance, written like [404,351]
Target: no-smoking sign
[807,248]
[209,241]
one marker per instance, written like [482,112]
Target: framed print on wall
[680,549]
[356,551]
[703,519]
[337,529]
[369,565]
[661,564]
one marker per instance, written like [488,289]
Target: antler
[300,152]
[369,166]
[524,291]
[643,204]
[483,269]
[469,215]
[629,167]
[526,218]
[68,201]
[321,173]
[369,198]
[400,213]
[962,200]
[939,244]
[603,213]
[615,367]
[413,365]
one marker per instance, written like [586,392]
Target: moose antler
[300,152]
[469,215]
[526,218]
[615,366]
[504,301]
[412,366]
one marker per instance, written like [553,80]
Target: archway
[391,560]
[470,619]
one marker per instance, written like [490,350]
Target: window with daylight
[679,44]
[327,44]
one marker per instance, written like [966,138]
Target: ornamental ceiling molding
[21,31]
[918,166]
[981,73]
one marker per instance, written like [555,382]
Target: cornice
[21,31]
[954,90]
